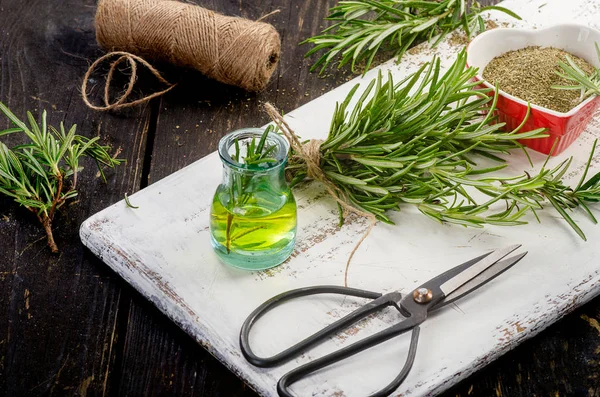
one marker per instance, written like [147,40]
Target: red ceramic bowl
[562,127]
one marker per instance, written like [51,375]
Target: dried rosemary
[531,75]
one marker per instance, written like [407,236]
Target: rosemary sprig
[417,142]
[41,174]
[588,84]
[256,155]
[362,27]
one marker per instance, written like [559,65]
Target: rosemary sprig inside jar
[253,214]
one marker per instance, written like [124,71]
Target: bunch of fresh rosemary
[416,142]
[41,174]
[362,27]
[588,84]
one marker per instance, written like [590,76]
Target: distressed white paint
[163,250]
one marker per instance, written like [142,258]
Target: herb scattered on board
[587,84]
[362,27]
[417,142]
[531,75]
[41,175]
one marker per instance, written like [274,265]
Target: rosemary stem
[228,232]
[47,223]
[57,198]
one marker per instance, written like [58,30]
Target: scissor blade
[483,278]
[473,271]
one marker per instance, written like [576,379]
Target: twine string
[132,79]
[310,153]
[120,102]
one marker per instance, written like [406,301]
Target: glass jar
[253,214]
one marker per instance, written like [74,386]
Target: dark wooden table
[69,325]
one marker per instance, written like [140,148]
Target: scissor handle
[339,355]
[379,301]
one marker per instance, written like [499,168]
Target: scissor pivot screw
[422,295]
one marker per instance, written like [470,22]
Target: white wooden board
[163,250]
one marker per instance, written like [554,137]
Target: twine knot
[311,154]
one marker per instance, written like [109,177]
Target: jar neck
[233,149]
[274,176]
[261,178]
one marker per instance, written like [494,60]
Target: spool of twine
[232,50]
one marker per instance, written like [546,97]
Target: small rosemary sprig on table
[588,84]
[417,142]
[41,174]
[362,27]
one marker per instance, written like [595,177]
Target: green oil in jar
[253,213]
[256,236]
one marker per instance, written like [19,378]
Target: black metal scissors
[415,306]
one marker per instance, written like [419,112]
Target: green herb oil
[263,227]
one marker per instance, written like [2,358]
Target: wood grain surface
[68,325]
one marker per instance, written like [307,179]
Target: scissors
[415,306]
